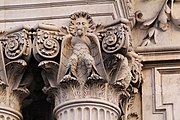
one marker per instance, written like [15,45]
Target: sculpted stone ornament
[100,79]
[46,43]
[87,69]
[46,46]
[17,49]
[122,65]
[81,57]
[16,46]
[49,74]
[158,22]
[115,38]
[88,75]
[17,43]
[116,50]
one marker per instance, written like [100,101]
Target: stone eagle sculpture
[81,57]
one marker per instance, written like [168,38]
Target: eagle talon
[68,78]
[119,84]
[95,77]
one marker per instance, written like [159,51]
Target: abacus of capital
[90,70]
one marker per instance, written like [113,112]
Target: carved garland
[159,21]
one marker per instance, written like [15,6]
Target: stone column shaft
[87,109]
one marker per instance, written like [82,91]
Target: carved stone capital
[16,46]
[88,69]
[98,68]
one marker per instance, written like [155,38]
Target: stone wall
[159,46]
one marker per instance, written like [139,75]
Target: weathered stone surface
[89,75]
[152,35]
[97,63]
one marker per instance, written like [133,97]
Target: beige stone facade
[89,59]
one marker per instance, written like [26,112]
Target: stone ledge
[159,53]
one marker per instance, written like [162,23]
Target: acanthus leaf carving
[49,74]
[15,90]
[15,71]
[3,77]
[17,52]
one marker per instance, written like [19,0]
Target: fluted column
[96,102]
[87,109]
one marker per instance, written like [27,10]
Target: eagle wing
[66,52]
[97,55]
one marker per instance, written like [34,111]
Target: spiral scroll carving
[115,38]
[17,45]
[46,45]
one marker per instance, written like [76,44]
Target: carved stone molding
[116,9]
[161,93]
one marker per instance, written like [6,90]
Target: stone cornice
[157,49]
[121,9]
[51,18]
[55,4]
[155,53]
